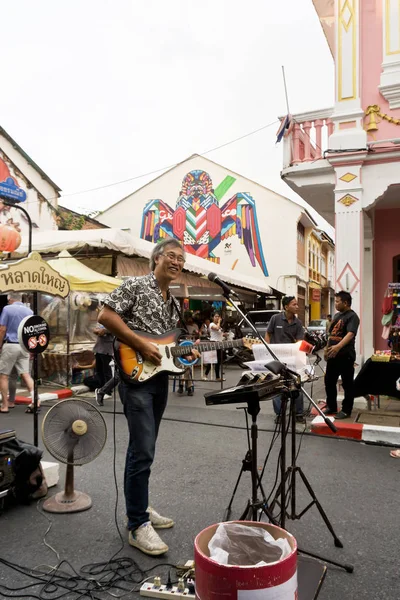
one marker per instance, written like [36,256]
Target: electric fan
[74,432]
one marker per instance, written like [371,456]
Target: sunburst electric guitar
[174,351]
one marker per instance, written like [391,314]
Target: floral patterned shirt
[140,304]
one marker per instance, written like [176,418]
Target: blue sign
[10,191]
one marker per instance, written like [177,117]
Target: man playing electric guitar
[145,304]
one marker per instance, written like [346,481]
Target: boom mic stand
[293,384]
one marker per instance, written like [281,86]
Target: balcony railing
[314,275]
[308,137]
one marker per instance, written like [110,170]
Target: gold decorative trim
[376,116]
[347,125]
[346,24]
[348,177]
[348,200]
[388,40]
[343,17]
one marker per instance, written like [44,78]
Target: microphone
[227,290]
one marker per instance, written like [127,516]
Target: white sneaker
[158,521]
[147,540]
[205,378]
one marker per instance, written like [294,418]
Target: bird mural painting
[201,223]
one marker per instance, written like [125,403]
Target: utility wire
[101,187]
[153,172]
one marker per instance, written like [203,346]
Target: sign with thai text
[32,274]
[10,191]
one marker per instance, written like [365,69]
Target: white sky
[98,91]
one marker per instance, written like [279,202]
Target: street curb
[58,395]
[377,434]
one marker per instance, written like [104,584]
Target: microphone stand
[294,383]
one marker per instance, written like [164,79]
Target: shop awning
[186,286]
[48,242]
[80,277]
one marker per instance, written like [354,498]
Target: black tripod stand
[249,463]
[293,382]
[287,486]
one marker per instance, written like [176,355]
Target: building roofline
[87,218]
[263,187]
[17,147]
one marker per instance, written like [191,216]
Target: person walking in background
[106,389]
[186,380]
[192,328]
[286,328]
[12,355]
[216,335]
[103,350]
[205,329]
[340,356]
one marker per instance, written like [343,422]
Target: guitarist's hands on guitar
[195,354]
[150,352]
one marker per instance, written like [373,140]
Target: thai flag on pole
[284,126]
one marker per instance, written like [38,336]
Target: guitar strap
[178,311]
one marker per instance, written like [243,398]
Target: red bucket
[230,582]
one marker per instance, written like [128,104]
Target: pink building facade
[345,160]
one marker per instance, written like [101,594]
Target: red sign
[316,295]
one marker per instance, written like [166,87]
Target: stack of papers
[289,354]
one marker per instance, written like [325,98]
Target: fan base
[60,503]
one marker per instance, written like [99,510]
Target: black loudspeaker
[7,473]
[7,476]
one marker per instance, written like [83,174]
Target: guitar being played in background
[174,350]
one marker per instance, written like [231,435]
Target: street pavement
[198,460]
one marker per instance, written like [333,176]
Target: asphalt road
[198,460]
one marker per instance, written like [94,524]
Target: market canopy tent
[125,245]
[72,321]
[81,278]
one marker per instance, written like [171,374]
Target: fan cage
[63,443]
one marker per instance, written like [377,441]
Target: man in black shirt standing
[340,355]
[286,328]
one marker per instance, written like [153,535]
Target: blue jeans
[277,403]
[144,407]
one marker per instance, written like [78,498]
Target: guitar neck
[206,346]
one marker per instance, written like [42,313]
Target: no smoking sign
[34,334]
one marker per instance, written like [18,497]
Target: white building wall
[277,219]
[41,195]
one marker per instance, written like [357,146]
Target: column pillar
[349,242]
[367,307]
[348,114]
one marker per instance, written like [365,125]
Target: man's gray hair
[160,247]
[14,297]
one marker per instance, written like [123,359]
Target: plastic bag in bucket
[275,580]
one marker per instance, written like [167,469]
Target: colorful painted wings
[157,221]
[239,217]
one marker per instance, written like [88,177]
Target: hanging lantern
[10,238]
